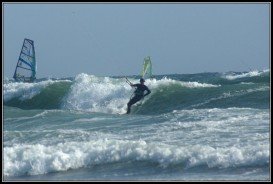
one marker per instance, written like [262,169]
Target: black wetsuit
[139,94]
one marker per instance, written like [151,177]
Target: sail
[26,66]
[147,68]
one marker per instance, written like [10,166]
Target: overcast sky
[113,39]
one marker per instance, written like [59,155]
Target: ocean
[192,127]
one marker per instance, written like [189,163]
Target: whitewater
[192,127]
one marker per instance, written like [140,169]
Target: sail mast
[15,72]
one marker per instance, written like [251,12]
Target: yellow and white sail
[146,72]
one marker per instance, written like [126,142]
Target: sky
[112,39]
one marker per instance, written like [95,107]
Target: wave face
[111,94]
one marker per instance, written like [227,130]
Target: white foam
[223,114]
[42,114]
[110,95]
[40,159]
[98,94]
[166,81]
[25,90]
[88,120]
[232,157]
[248,83]
[247,74]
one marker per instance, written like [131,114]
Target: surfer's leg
[128,109]
[131,102]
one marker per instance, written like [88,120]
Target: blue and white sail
[25,70]
[147,68]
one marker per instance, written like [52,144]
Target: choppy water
[207,126]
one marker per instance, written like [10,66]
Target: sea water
[192,127]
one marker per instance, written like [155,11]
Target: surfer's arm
[148,92]
[133,85]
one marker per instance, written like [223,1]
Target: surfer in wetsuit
[139,93]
